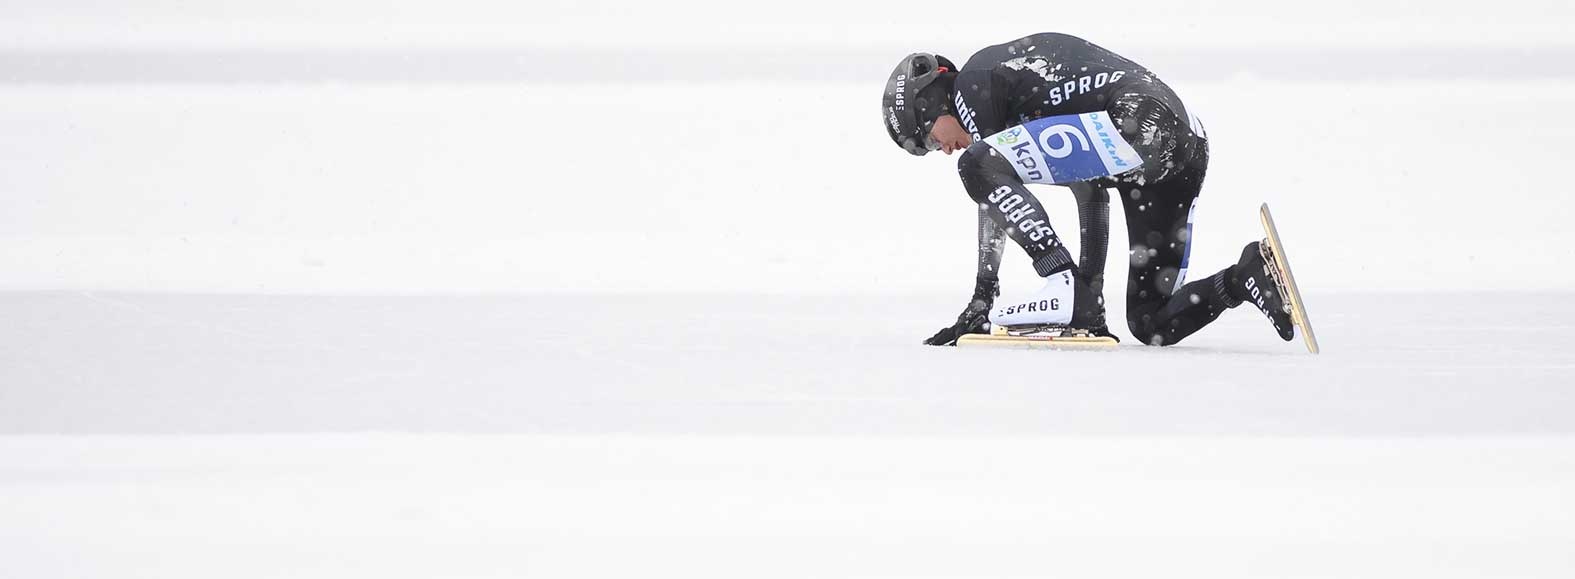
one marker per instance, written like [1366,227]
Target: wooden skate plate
[1036,342]
[1298,307]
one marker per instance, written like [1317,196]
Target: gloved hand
[973,318]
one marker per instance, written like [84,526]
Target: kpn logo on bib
[1066,149]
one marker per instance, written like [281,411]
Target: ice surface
[610,418]
[773,436]
[595,289]
[761,365]
[397,506]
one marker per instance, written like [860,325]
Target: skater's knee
[1149,337]
[1142,320]
[1142,331]
[982,170]
[974,159]
[1157,327]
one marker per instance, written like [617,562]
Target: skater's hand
[973,318]
[974,324]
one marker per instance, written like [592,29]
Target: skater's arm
[991,242]
[986,285]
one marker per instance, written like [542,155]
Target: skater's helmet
[908,108]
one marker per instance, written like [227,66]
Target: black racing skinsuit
[1055,74]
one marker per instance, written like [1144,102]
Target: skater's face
[950,134]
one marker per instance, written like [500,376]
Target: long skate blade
[1283,262]
[1036,342]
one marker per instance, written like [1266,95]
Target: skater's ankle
[1225,283]
[1054,262]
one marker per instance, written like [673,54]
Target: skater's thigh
[1159,231]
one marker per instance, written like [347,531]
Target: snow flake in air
[1139,256]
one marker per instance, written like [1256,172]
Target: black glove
[973,318]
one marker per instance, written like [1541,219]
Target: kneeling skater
[1056,109]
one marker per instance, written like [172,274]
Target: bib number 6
[1067,134]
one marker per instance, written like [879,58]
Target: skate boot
[1255,281]
[1065,306]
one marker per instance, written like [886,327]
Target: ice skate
[1061,314]
[1280,269]
[1253,282]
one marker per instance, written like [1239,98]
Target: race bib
[1066,149]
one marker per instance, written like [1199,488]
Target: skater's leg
[991,182]
[1158,201]
[1159,229]
[1093,219]
[991,243]
[995,186]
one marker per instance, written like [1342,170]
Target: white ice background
[594,289]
